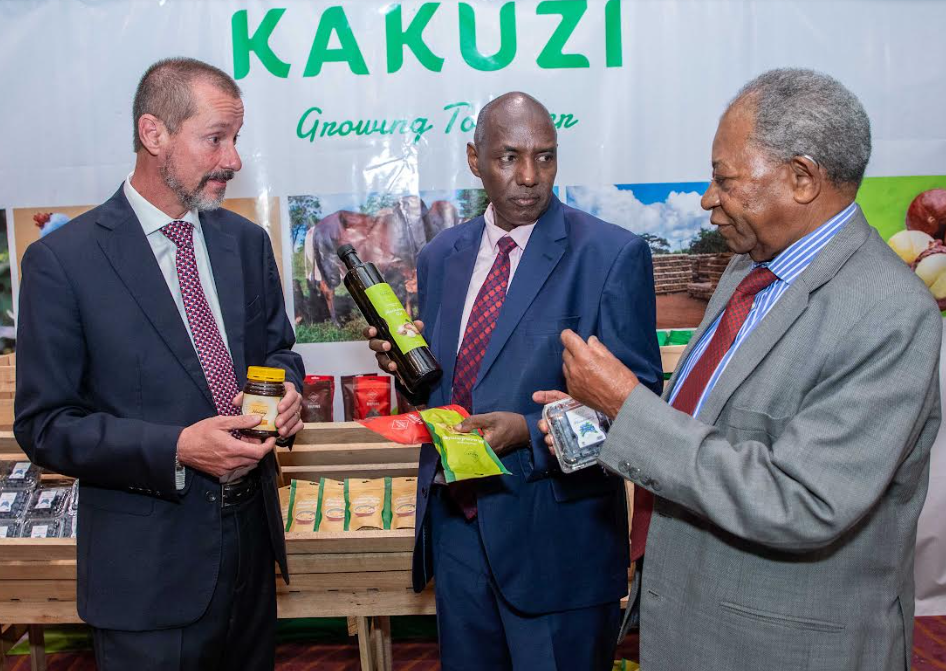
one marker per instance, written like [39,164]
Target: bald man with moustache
[530,567]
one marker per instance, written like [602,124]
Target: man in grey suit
[789,454]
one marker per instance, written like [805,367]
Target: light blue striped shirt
[787,266]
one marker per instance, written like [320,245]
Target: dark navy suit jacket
[107,378]
[554,541]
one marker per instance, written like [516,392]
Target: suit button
[634,473]
[211,497]
[624,467]
[654,485]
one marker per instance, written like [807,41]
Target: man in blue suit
[137,322]
[530,567]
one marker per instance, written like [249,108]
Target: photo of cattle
[386,229]
[689,253]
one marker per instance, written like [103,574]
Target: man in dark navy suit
[137,322]
[530,567]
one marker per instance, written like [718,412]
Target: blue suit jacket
[107,378]
[554,541]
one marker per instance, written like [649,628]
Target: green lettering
[328,128]
[507,39]
[456,107]
[309,133]
[346,127]
[552,55]
[243,44]
[419,127]
[413,37]
[564,120]
[334,21]
[612,34]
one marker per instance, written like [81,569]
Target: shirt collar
[520,234]
[152,219]
[793,260]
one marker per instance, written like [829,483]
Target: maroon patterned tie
[479,330]
[737,310]
[480,325]
[213,355]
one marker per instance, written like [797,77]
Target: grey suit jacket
[784,526]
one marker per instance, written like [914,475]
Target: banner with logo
[358,115]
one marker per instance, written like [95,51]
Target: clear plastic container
[49,501]
[9,529]
[18,475]
[577,433]
[41,527]
[13,503]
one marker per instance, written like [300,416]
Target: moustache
[219,175]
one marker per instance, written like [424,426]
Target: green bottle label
[402,329]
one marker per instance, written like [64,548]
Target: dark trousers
[479,630]
[238,629]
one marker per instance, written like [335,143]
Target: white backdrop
[652,79]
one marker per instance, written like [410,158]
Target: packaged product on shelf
[69,525]
[333,507]
[18,475]
[74,500]
[403,502]
[9,529]
[366,396]
[13,504]
[41,527]
[49,501]
[318,398]
[301,506]
[366,504]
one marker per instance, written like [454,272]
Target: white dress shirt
[152,221]
[489,248]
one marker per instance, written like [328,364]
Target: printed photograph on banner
[7,329]
[386,229]
[689,253]
[33,223]
[910,214]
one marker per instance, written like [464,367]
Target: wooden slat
[383,581]
[56,569]
[339,433]
[356,453]
[333,542]
[38,590]
[344,562]
[37,612]
[7,374]
[340,472]
[37,549]
[346,603]
[8,442]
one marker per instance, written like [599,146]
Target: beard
[194,199]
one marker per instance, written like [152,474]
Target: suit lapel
[781,317]
[458,270]
[542,253]
[125,245]
[228,278]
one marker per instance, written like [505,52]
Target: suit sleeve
[280,337]
[627,324]
[55,425]
[835,458]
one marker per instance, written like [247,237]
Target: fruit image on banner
[910,214]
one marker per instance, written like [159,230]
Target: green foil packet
[464,456]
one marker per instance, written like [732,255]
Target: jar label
[264,406]
[403,331]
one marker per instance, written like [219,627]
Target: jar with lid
[265,388]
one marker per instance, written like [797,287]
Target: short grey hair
[802,112]
[165,91]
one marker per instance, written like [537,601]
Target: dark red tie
[476,337]
[737,310]
[212,353]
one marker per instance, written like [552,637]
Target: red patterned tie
[213,354]
[480,325]
[479,330]
[737,310]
